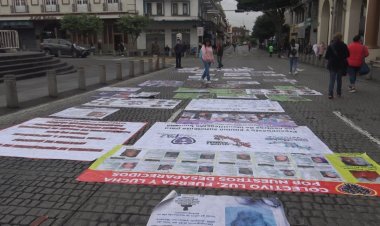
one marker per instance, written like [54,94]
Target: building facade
[193,20]
[350,17]
[38,19]
[239,34]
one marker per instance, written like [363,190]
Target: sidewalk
[33,190]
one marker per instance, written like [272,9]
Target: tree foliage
[132,25]
[83,24]
[264,27]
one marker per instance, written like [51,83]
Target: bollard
[150,65]
[119,71]
[11,91]
[163,62]
[157,66]
[81,79]
[131,69]
[103,74]
[52,83]
[141,67]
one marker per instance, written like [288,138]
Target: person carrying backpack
[293,55]
[358,53]
[336,55]
[207,58]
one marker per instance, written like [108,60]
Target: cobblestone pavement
[33,190]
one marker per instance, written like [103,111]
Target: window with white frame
[148,8]
[185,8]
[175,9]
[160,11]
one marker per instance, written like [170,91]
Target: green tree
[132,25]
[264,28]
[82,24]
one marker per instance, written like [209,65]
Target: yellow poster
[355,167]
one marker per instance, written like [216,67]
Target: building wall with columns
[350,17]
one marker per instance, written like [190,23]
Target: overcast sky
[239,19]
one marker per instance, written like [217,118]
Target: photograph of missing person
[366,176]
[281,158]
[288,173]
[205,169]
[243,156]
[165,167]
[171,155]
[131,153]
[319,159]
[354,161]
[207,156]
[329,174]
[128,165]
[246,171]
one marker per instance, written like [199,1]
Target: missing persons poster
[85,112]
[51,138]
[259,119]
[134,103]
[286,172]
[162,83]
[230,137]
[234,105]
[209,210]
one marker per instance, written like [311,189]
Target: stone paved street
[32,189]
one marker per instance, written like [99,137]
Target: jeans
[293,64]
[206,72]
[334,75]
[178,60]
[353,72]
[219,59]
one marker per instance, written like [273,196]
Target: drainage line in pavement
[357,128]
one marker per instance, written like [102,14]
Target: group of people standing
[342,60]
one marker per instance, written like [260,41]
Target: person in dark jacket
[336,55]
[219,53]
[178,50]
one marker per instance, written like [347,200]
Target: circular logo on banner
[183,140]
[355,189]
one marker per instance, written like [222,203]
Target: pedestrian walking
[234,45]
[249,46]
[336,55]
[219,53]
[270,49]
[358,53]
[207,59]
[293,55]
[178,50]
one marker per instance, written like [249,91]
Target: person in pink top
[358,53]
[207,59]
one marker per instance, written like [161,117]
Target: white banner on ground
[85,112]
[210,210]
[237,74]
[143,95]
[234,105]
[50,138]
[162,83]
[118,89]
[198,77]
[229,137]
[134,103]
[244,82]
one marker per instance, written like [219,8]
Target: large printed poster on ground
[286,172]
[229,137]
[208,210]
[85,112]
[162,83]
[50,138]
[134,103]
[234,105]
[274,120]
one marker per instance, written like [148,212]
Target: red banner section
[239,183]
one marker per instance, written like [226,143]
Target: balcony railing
[49,8]
[20,9]
[81,8]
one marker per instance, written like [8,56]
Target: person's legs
[351,74]
[204,71]
[207,70]
[176,61]
[291,65]
[219,59]
[179,60]
[339,84]
[332,83]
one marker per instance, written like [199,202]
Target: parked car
[58,47]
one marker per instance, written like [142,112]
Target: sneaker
[296,72]
[208,82]
[352,90]
[330,97]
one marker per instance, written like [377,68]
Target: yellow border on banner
[100,160]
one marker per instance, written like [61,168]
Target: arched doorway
[325,22]
[338,16]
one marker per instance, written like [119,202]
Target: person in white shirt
[293,55]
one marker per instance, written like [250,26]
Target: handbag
[364,69]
